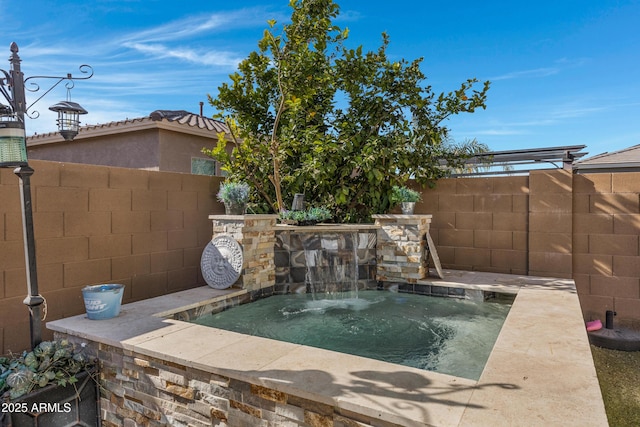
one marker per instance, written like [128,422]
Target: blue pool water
[447,335]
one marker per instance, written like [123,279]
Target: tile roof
[185,117]
[179,116]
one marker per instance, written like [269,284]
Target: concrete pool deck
[540,371]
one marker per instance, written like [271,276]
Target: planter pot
[408,208]
[54,406]
[231,208]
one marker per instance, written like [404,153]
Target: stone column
[256,236]
[401,247]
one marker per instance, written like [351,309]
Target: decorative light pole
[13,153]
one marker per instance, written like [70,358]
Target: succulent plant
[403,194]
[233,192]
[311,215]
[50,362]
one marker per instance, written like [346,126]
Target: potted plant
[310,216]
[53,382]
[406,197]
[234,195]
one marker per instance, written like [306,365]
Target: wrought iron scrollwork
[12,83]
[35,87]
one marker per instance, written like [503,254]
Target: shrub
[50,362]
[311,215]
[404,194]
[233,192]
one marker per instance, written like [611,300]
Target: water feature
[331,262]
[447,335]
[327,262]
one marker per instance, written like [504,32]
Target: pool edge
[521,378]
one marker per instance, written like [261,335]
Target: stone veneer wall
[140,390]
[257,238]
[401,247]
[328,254]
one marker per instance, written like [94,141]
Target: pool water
[447,335]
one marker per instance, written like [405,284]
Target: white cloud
[215,58]
[180,29]
[197,25]
[537,72]
[560,65]
[571,112]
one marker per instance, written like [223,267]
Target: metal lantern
[68,118]
[13,153]
[13,149]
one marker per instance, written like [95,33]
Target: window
[200,166]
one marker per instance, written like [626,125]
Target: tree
[308,115]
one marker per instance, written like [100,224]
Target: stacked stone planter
[401,247]
[257,237]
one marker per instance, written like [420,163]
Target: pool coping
[540,370]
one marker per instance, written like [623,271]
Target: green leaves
[51,362]
[341,125]
[306,217]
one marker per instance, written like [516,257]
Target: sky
[562,72]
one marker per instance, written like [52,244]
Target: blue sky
[563,72]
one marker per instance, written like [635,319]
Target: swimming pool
[448,335]
[538,369]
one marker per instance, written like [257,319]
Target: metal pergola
[516,162]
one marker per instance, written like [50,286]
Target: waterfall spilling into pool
[331,263]
[328,265]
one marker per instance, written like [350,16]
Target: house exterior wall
[97,224]
[139,150]
[177,148]
[154,148]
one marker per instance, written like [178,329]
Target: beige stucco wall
[153,148]
[176,150]
[139,150]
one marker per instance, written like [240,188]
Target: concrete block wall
[147,229]
[480,223]
[96,224]
[550,223]
[606,245]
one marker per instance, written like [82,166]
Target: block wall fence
[97,224]
[550,223]
[147,230]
